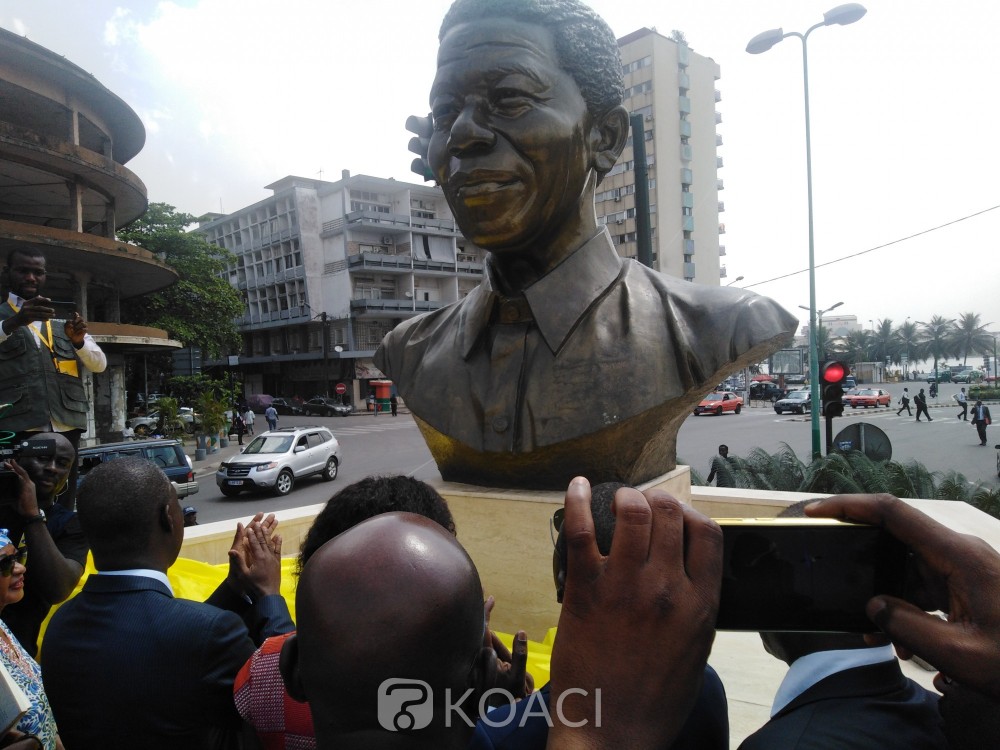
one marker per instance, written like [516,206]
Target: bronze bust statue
[567,359]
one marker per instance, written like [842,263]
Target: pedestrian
[371,402]
[981,420]
[934,390]
[271,415]
[921,401]
[239,426]
[248,418]
[904,403]
[963,404]
[394,404]
[721,468]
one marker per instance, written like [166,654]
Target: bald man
[394,598]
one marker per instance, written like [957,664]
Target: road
[383,445]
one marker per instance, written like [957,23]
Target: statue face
[510,146]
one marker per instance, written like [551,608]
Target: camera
[18,449]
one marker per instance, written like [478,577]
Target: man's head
[602,498]
[129,511]
[723,450]
[26,270]
[50,471]
[190,515]
[527,117]
[371,497]
[395,597]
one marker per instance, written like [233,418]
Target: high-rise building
[674,89]
[328,268]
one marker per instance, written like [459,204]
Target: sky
[905,123]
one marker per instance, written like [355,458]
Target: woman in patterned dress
[37,727]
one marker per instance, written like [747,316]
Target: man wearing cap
[190,515]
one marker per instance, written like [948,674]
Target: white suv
[276,459]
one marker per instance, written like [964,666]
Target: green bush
[850,472]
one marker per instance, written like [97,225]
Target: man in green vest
[40,362]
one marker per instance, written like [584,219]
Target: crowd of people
[387,594]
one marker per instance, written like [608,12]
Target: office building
[674,89]
[328,268]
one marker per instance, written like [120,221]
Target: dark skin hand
[255,558]
[961,576]
[37,309]
[511,675]
[54,577]
[660,584]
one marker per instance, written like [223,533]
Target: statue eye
[511,102]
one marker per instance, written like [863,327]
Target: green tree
[858,346]
[201,307]
[971,336]
[938,338]
[908,339]
[884,343]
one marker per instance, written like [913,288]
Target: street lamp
[841,16]
[326,346]
[738,278]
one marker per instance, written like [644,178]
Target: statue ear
[610,133]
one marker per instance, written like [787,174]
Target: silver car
[275,460]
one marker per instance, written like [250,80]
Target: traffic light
[832,376]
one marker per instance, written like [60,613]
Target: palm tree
[886,346]
[857,346]
[938,338]
[971,336]
[908,340]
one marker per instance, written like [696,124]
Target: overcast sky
[236,94]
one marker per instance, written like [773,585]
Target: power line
[877,247]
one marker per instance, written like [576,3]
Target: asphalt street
[387,445]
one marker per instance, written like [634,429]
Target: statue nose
[470,132]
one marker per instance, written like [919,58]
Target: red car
[870,397]
[719,402]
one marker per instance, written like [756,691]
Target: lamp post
[841,15]
[814,342]
[326,346]
[738,278]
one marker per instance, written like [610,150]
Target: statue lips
[477,187]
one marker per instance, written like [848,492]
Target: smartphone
[813,575]
[64,310]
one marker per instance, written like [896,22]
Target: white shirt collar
[156,575]
[807,670]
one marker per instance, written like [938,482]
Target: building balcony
[391,223]
[465,264]
[393,308]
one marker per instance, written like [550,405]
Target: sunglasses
[556,524]
[7,563]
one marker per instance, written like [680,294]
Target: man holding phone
[40,363]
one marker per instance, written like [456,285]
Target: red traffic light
[833,372]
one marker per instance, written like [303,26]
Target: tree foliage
[850,472]
[200,308]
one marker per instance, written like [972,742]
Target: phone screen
[64,310]
[807,576]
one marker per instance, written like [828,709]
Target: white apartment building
[675,90]
[328,268]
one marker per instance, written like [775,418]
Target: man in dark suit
[841,693]
[981,420]
[126,664]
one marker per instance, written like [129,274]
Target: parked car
[144,426]
[943,375]
[848,395]
[167,454]
[719,402]
[277,459]
[286,407]
[259,401]
[325,407]
[796,401]
[795,379]
[870,397]
[765,391]
[968,376]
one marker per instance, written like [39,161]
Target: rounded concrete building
[64,190]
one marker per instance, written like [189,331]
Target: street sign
[864,437]
[340,389]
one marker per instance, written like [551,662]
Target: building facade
[328,268]
[674,89]
[64,190]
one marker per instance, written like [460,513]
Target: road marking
[368,429]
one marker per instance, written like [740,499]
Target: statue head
[527,118]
